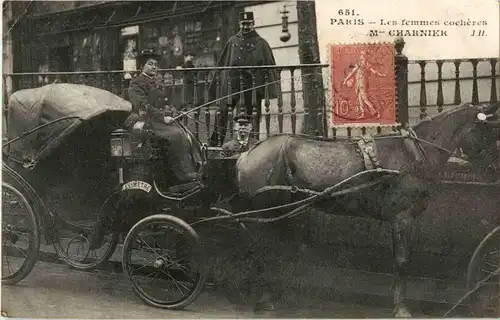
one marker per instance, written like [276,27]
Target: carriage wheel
[163,258]
[20,235]
[74,248]
[485,263]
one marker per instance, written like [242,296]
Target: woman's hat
[149,54]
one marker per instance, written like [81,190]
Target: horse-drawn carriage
[55,129]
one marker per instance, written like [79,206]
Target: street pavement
[56,291]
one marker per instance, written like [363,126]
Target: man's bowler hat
[246,16]
[243,119]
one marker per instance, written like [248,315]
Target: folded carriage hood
[31,108]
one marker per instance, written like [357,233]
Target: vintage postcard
[250,159]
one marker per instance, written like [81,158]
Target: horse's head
[445,131]
[479,144]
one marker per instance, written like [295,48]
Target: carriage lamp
[285,35]
[121,145]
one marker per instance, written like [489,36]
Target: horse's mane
[429,120]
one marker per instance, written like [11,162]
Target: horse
[319,163]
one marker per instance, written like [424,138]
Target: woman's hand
[168,120]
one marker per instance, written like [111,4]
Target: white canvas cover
[30,108]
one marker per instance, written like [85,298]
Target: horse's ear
[492,108]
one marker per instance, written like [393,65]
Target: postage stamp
[363,86]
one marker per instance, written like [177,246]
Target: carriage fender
[130,192]
[136,190]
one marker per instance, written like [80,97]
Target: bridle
[481,118]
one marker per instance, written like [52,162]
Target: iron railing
[187,88]
[458,81]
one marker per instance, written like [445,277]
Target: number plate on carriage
[137,185]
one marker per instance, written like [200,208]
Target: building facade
[56,36]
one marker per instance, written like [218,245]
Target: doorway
[59,59]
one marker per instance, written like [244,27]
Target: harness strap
[409,137]
[368,150]
[288,169]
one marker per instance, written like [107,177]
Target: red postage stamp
[363,85]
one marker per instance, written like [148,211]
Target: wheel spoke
[21,251]
[9,267]
[175,281]
[21,235]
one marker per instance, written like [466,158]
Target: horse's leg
[252,236]
[402,233]
[275,233]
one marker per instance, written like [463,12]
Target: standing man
[190,84]
[150,111]
[246,48]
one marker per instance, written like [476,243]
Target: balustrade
[189,89]
[473,83]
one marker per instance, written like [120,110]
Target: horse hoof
[264,306]
[402,312]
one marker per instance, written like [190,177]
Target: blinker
[481,116]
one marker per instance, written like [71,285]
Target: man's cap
[243,119]
[246,16]
[149,54]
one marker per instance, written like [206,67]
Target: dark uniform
[247,49]
[235,146]
[146,94]
[148,91]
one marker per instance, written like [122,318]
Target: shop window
[87,52]
[130,55]
[199,36]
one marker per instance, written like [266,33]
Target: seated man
[151,114]
[242,141]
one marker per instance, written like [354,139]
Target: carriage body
[66,139]
[58,135]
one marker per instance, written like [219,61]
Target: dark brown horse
[317,164]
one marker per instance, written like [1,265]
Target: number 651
[346,12]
